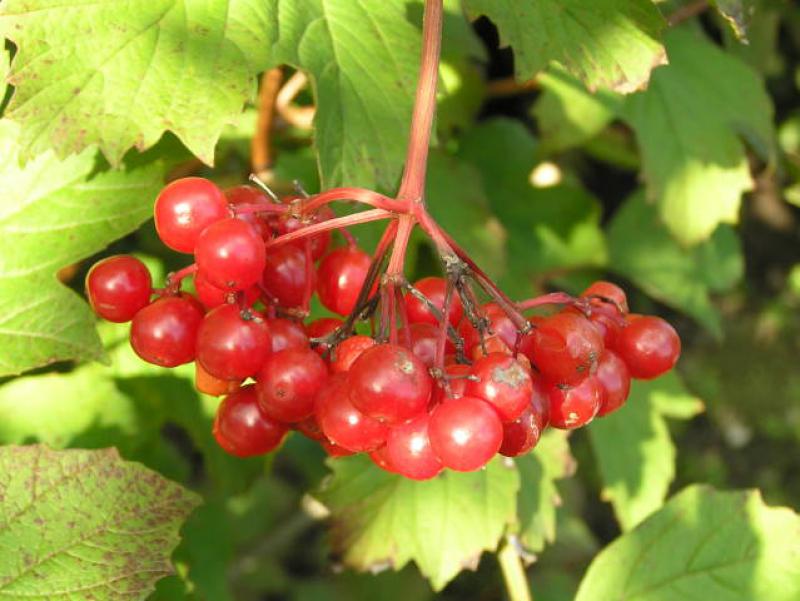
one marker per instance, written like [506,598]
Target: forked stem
[514,576]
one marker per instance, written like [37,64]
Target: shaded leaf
[634,450]
[55,213]
[703,544]
[538,496]
[548,228]
[738,14]
[605,43]
[568,114]
[641,248]
[383,520]
[688,125]
[85,525]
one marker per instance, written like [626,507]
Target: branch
[685,13]
[262,155]
[300,116]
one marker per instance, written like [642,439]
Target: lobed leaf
[605,43]
[383,520]
[703,544]
[633,448]
[55,213]
[84,525]
[689,124]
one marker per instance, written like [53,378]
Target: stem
[247,209]
[330,224]
[362,195]
[514,576]
[412,186]
[262,154]
[554,298]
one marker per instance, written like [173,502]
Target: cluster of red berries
[495,392]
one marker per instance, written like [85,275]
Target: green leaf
[383,520]
[538,495]
[98,73]
[568,114]
[85,525]
[738,14]
[55,213]
[605,43]
[634,450]
[5,63]
[548,228]
[704,544]
[466,214]
[688,125]
[363,59]
[641,249]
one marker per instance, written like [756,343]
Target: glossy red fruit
[249,195]
[340,275]
[608,321]
[242,429]
[574,407]
[288,383]
[334,450]
[309,428]
[319,242]
[388,383]
[434,289]
[465,433]
[207,384]
[409,452]
[615,382]
[380,459]
[540,404]
[457,378]
[348,350]
[649,345]
[186,207]
[285,275]
[342,423]
[286,333]
[232,344]
[521,435]
[503,383]
[566,348]
[424,340]
[319,328]
[165,332]
[607,293]
[211,296]
[500,325]
[230,254]
[118,287]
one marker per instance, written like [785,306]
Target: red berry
[409,452]
[334,450]
[574,407]
[521,435]
[339,278]
[348,350]
[566,348]
[286,333]
[118,287]
[233,344]
[615,382]
[165,332]
[186,207]
[388,383]
[649,345]
[342,423]
[309,428]
[457,378]
[230,254]
[424,340]
[285,275]
[319,242]
[242,429]
[500,325]
[465,433]
[502,382]
[249,195]
[211,296]
[607,293]
[207,384]
[380,459]
[319,328]
[288,383]
[435,290]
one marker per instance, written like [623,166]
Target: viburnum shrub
[453,371]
